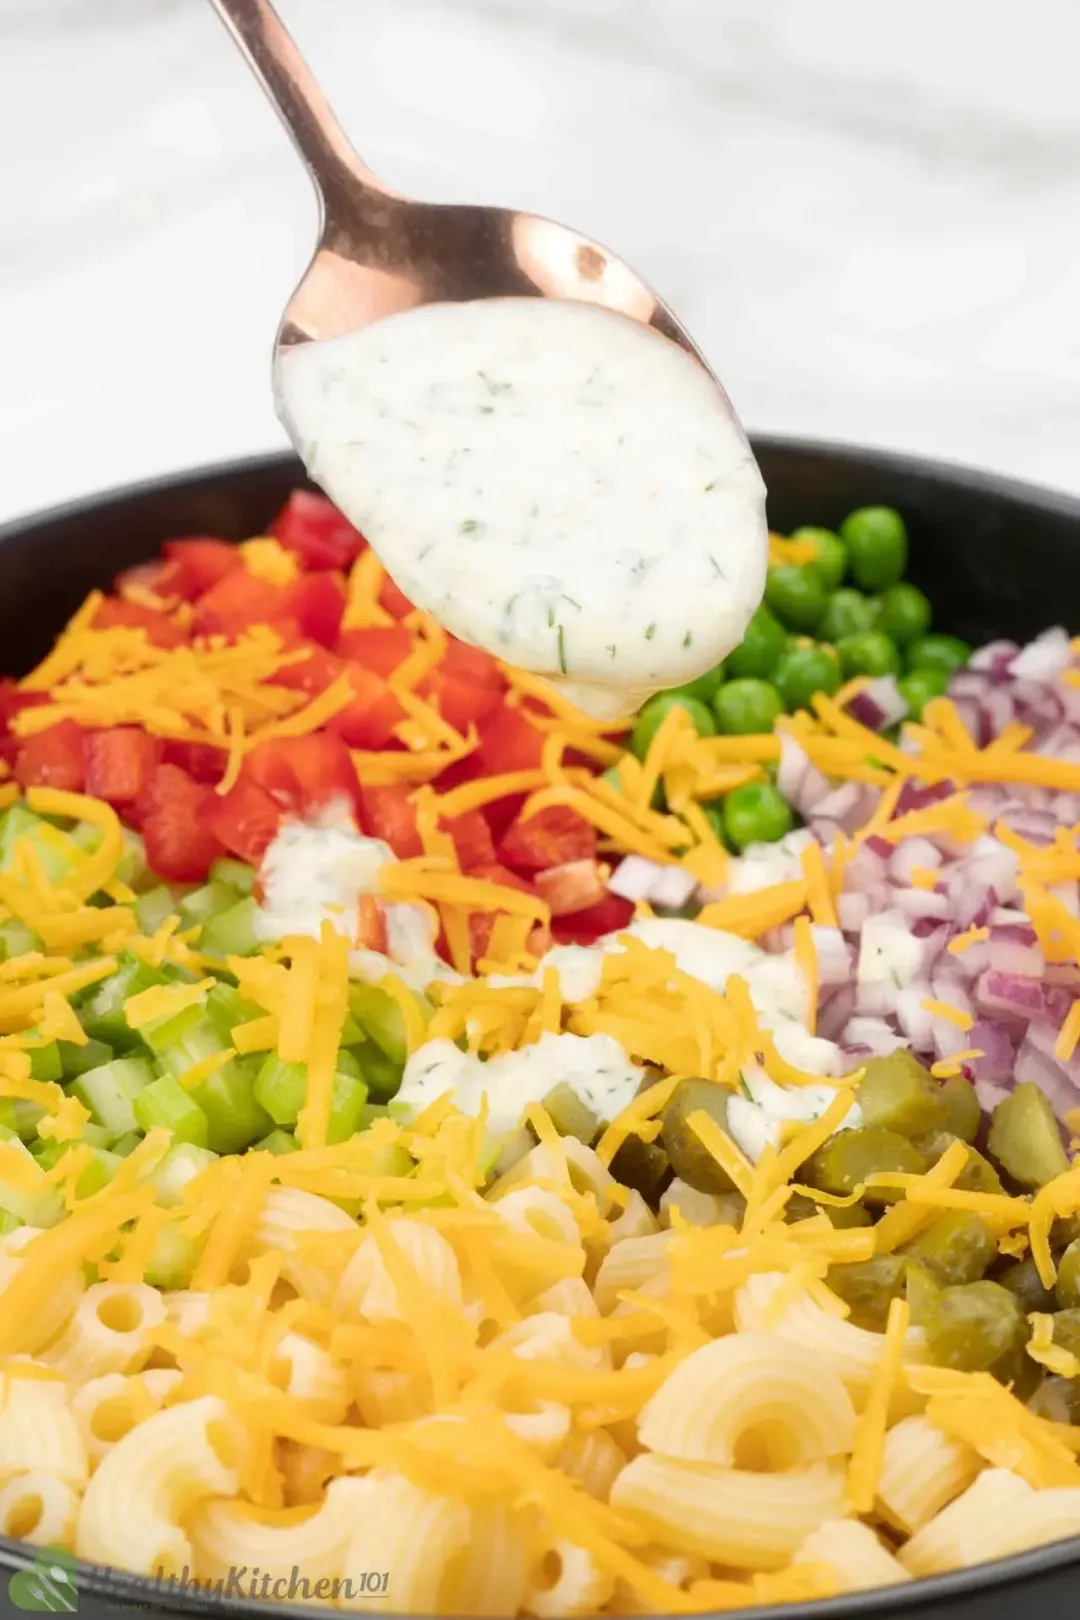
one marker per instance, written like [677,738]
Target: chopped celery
[45,1062]
[207,901]
[18,822]
[110,1092]
[180,1165]
[86,835]
[381,1074]
[97,1136]
[24,1197]
[234,1117]
[8,1222]
[100,1170]
[231,932]
[347,1107]
[173,1258]
[131,867]
[347,1064]
[237,874]
[351,1033]
[26,1117]
[102,1014]
[154,908]
[280,1088]
[16,939]
[164,1033]
[381,1018]
[190,1040]
[78,1060]
[165,1102]
[226,1007]
[277,1141]
[127,1143]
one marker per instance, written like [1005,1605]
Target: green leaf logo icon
[48,1588]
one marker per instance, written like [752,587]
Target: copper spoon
[380,253]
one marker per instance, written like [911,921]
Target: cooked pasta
[570,1581]
[228,1535]
[967,1529]
[39,1326]
[367,1286]
[419,1538]
[38,1432]
[106,1408]
[132,1510]
[750,1393]
[854,1553]
[112,1330]
[922,1469]
[730,1516]
[39,1507]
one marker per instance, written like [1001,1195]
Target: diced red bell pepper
[583,927]
[13,701]
[471,664]
[571,888]
[240,600]
[317,603]
[147,576]
[314,529]
[198,760]
[555,836]
[305,773]
[481,923]
[472,839]
[120,763]
[508,743]
[180,845]
[380,648]
[114,613]
[195,564]
[369,720]
[395,602]
[461,703]
[53,758]
[389,814]
[313,673]
[245,819]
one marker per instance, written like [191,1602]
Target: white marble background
[868,212]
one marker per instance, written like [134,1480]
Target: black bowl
[996,558]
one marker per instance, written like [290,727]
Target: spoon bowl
[380,253]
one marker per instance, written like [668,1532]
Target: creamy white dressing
[755,1118]
[553,482]
[595,1067]
[316,872]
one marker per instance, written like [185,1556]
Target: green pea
[764,642]
[905,613]
[804,671]
[919,687]
[846,613]
[796,595]
[877,545]
[650,719]
[869,653]
[831,560]
[947,653]
[756,814]
[701,687]
[747,708]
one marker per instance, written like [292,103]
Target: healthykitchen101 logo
[48,1587]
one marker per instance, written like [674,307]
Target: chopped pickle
[963,1115]
[689,1158]
[641,1165]
[1067,1330]
[978,1174]
[569,1115]
[869,1287]
[1067,1287]
[973,1327]
[800,1208]
[843,1162]
[1025,1139]
[1022,1280]
[898,1093]
[956,1248]
[1057,1399]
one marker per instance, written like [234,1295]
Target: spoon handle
[290,85]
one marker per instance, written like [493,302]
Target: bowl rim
[956,474]
[135,1592]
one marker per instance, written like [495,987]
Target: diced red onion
[917,797]
[916,1023]
[998,1049]
[1034,1066]
[636,878]
[922,903]
[852,909]
[879,704]
[995,659]
[1044,658]
[835,1010]
[1013,995]
[849,805]
[835,958]
[909,855]
[800,781]
[873,1035]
